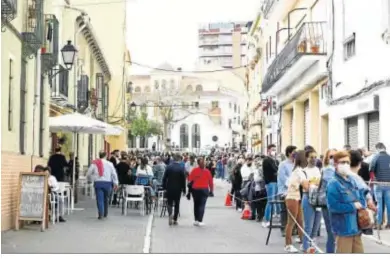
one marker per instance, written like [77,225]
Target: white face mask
[344,169]
[273,153]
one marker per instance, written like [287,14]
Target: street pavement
[224,232]
[82,233]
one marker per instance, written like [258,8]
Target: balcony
[49,51]
[9,9]
[59,84]
[305,50]
[215,42]
[33,28]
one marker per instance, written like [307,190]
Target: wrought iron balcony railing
[310,39]
[33,28]
[50,48]
[9,9]
[267,6]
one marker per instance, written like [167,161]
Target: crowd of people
[344,188]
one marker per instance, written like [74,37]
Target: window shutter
[106,100]
[82,92]
[100,95]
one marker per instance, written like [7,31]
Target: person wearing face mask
[380,172]
[328,172]
[344,199]
[311,215]
[270,172]
[284,172]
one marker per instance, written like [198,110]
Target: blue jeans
[272,191]
[311,221]
[382,194]
[330,242]
[103,191]
[221,173]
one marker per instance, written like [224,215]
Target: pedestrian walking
[174,183]
[201,185]
[103,174]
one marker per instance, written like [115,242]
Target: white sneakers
[290,249]
[265,224]
[199,224]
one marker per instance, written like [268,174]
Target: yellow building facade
[37,85]
[294,41]
[253,77]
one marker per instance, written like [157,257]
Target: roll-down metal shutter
[306,121]
[352,132]
[373,129]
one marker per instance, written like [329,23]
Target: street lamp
[68,54]
[133,106]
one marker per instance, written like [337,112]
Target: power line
[186,71]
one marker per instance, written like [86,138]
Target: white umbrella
[78,123]
[114,130]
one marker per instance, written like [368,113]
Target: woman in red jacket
[202,185]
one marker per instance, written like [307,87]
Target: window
[137,89]
[147,89]
[199,88]
[10,94]
[238,120]
[235,108]
[164,83]
[196,104]
[238,109]
[349,47]
[172,83]
[214,104]
[196,136]
[189,88]
[184,136]
[230,105]
[230,123]
[156,84]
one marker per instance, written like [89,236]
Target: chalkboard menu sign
[32,200]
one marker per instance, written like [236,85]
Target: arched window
[164,83]
[184,141]
[147,89]
[189,88]
[137,89]
[156,84]
[199,88]
[196,136]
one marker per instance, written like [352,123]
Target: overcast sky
[166,30]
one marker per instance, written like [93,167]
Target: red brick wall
[11,165]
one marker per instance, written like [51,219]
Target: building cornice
[92,41]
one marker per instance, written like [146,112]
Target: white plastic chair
[138,195]
[54,210]
[64,194]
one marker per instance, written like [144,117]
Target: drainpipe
[36,101]
[75,77]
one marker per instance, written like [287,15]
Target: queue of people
[336,187]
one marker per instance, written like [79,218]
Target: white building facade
[360,64]
[208,113]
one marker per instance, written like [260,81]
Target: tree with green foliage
[141,126]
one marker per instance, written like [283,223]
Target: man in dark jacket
[270,173]
[57,163]
[237,183]
[174,183]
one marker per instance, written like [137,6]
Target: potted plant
[302,47]
[315,47]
